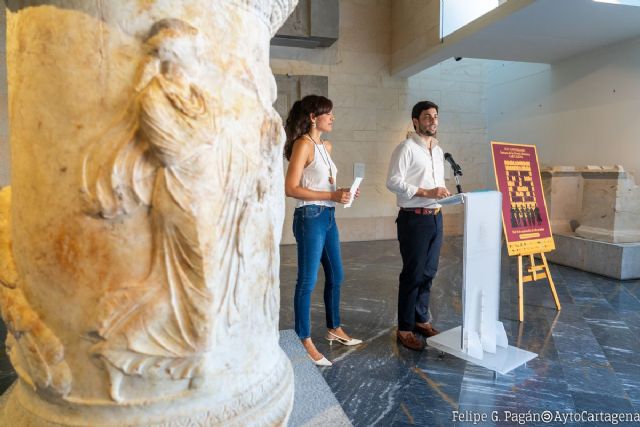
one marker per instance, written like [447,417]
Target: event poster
[524,212]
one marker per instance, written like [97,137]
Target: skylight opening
[620,2]
[455,14]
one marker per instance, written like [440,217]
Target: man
[416,176]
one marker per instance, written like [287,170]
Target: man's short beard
[423,130]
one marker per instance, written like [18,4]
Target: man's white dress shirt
[413,166]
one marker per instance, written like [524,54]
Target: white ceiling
[544,31]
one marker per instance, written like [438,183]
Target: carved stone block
[140,272]
[596,202]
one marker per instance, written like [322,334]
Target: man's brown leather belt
[422,211]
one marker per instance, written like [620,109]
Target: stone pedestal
[610,206]
[596,202]
[595,218]
[620,261]
[563,194]
[139,276]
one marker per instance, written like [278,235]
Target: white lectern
[481,339]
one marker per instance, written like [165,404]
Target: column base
[267,402]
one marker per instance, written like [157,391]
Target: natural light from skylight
[455,14]
[622,2]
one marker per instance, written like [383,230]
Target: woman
[311,179]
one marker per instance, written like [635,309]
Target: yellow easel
[535,272]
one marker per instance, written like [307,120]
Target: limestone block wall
[580,111]
[373,111]
[415,28]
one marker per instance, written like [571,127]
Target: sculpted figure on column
[159,326]
[140,281]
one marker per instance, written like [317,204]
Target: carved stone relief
[35,352]
[148,205]
[160,326]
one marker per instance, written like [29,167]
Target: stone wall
[580,111]
[415,29]
[373,111]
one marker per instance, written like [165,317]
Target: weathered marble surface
[140,270]
[563,194]
[610,206]
[595,218]
[596,202]
[616,260]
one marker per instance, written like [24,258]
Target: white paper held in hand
[454,199]
[352,190]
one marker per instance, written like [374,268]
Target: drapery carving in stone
[148,205]
[161,326]
[35,352]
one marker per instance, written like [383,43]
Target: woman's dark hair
[298,122]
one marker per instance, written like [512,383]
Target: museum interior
[142,203]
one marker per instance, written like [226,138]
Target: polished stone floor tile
[632,320]
[618,341]
[538,385]
[633,287]
[432,393]
[629,375]
[535,341]
[573,345]
[596,401]
[584,362]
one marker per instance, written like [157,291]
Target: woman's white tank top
[316,176]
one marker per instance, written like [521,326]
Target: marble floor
[588,352]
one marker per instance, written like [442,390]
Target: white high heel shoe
[320,362]
[331,337]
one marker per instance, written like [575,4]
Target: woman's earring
[313,124]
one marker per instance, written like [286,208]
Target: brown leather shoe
[411,341]
[427,331]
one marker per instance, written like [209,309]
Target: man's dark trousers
[420,238]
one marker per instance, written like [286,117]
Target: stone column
[4,127]
[139,275]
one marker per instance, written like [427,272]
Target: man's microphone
[457,170]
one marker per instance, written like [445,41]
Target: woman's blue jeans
[316,233]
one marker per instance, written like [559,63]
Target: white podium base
[502,361]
